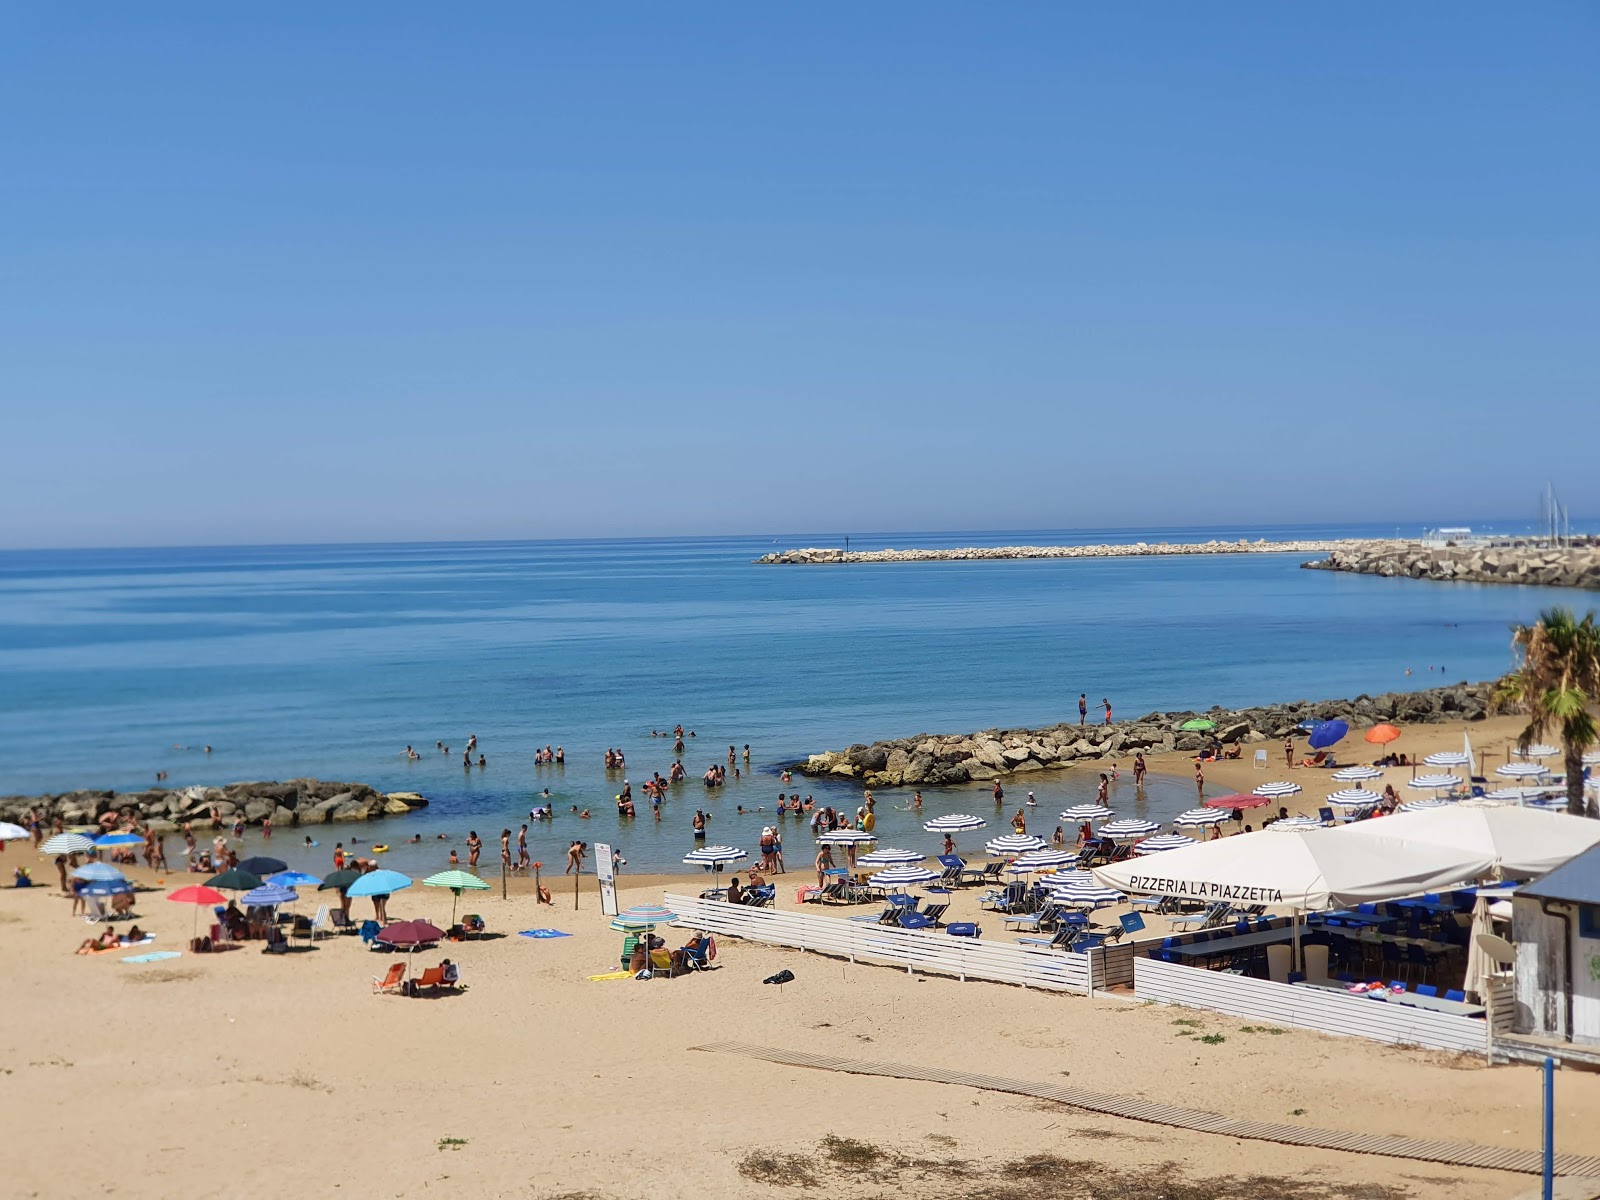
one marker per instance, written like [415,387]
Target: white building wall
[1541,975]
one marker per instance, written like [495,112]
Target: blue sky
[415,271]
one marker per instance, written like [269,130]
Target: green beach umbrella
[457,882]
[339,880]
[235,881]
[1196,724]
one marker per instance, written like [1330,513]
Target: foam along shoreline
[934,759]
[822,555]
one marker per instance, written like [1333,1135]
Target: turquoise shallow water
[327,660]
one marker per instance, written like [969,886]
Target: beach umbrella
[379,883]
[1448,758]
[1128,829]
[1423,805]
[1518,794]
[844,837]
[713,856]
[1163,841]
[1357,774]
[1080,889]
[67,843]
[892,877]
[457,882]
[1195,817]
[1326,733]
[1086,812]
[1278,790]
[1539,750]
[293,879]
[1521,770]
[1592,758]
[409,934]
[268,895]
[1382,735]
[97,871]
[1041,860]
[121,838]
[197,896]
[263,865]
[10,832]
[339,880]
[1354,798]
[1015,843]
[1288,824]
[1433,783]
[954,823]
[106,887]
[643,916]
[1197,725]
[235,880]
[1238,800]
[889,857]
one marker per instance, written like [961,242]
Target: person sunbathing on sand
[106,940]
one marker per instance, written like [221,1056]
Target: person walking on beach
[1288,751]
[474,847]
[1083,708]
[575,854]
[160,843]
[505,848]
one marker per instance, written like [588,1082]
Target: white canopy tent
[1520,841]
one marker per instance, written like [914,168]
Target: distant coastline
[826,555]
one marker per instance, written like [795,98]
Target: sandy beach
[535,1081]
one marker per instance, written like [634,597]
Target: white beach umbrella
[1521,770]
[889,857]
[892,877]
[1128,829]
[1539,750]
[1015,843]
[1196,817]
[1354,798]
[846,837]
[1423,805]
[1448,758]
[10,832]
[1290,824]
[1086,812]
[1592,759]
[1080,888]
[67,843]
[1433,783]
[1357,774]
[1041,860]
[1277,790]
[713,856]
[954,823]
[1517,795]
[1163,841]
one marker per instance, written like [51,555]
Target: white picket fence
[932,952]
[1306,1008]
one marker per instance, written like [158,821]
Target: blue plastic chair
[1427,989]
[1455,994]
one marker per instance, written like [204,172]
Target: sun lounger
[390,981]
[341,921]
[953,867]
[915,920]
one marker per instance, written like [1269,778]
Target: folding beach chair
[953,867]
[341,921]
[1260,761]
[389,982]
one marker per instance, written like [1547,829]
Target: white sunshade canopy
[1309,869]
[1518,841]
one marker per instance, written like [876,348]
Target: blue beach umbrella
[292,879]
[99,872]
[1326,733]
[118,839]
[107,887]
[379,883]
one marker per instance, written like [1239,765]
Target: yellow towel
[613,975]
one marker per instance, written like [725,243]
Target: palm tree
[1558,683]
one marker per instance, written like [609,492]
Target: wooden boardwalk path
[1456,1154]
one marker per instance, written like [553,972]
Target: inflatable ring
[379,849]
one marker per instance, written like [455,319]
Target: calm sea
[328,660]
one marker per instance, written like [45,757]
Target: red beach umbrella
[1382,735]
[197,895]
[410,934]
[1238,800]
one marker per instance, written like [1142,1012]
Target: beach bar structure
[1556,930]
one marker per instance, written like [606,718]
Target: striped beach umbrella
[1277,790]
[1041,860]
[1354,798]
[1080,889]
[67,843]
[890,857]
[846,837]
[1592,759]
[1015,843]
[1356,774]
[1449,758]
[457,881]
[903,876]
[98,872]
[1086,812]
[1424,805]
[1538,750]
[642,917]
[1521,770]
[1516,794]
[1433,783]
[268,895]
[713,856]
[1292,824]
[954,823]
[1128,829]
[1163,841]
[1197,817]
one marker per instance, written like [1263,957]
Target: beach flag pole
[1548,1191]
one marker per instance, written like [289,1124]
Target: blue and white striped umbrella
[1163,841]
[890,857]
[98,871]
[1521,770]
[1517,794]
[1592,759]
[107,887]
[1015,843]
[1277,790]
[1041,860]
[1449,758]
[1128,829]
[67,843]
[1423,805]
[268,895]
[954,823]
[846,837]
[1433,783]
[713,856]
[1196,817]
[292,879]
[1293,824]
[1087,812]
[120,838]
[1080,888]
[1538,750]
[892,877]
[1356,774]
[1354,798]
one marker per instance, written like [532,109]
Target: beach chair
[989,873]
[341,921]
[318,923]
[698,958]
[953,866]
[389,981]
[1260,761]
[1060,940]
[966,929]
[1031,922]
[472,925]
[1199,920]
[935,912]
[911,919]
[431,977]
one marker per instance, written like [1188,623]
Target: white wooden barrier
[1306,1008]
[932,952]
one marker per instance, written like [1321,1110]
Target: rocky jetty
[813,556]
[288,804]
[933,759]
[1575,566]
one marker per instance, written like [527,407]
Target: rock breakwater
[816,555]
[1544,566]
[934,759]
[288,804]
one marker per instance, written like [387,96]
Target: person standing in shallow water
[474,847]
[1200,779]
[1083,708]
[999,794]
[1138,770]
